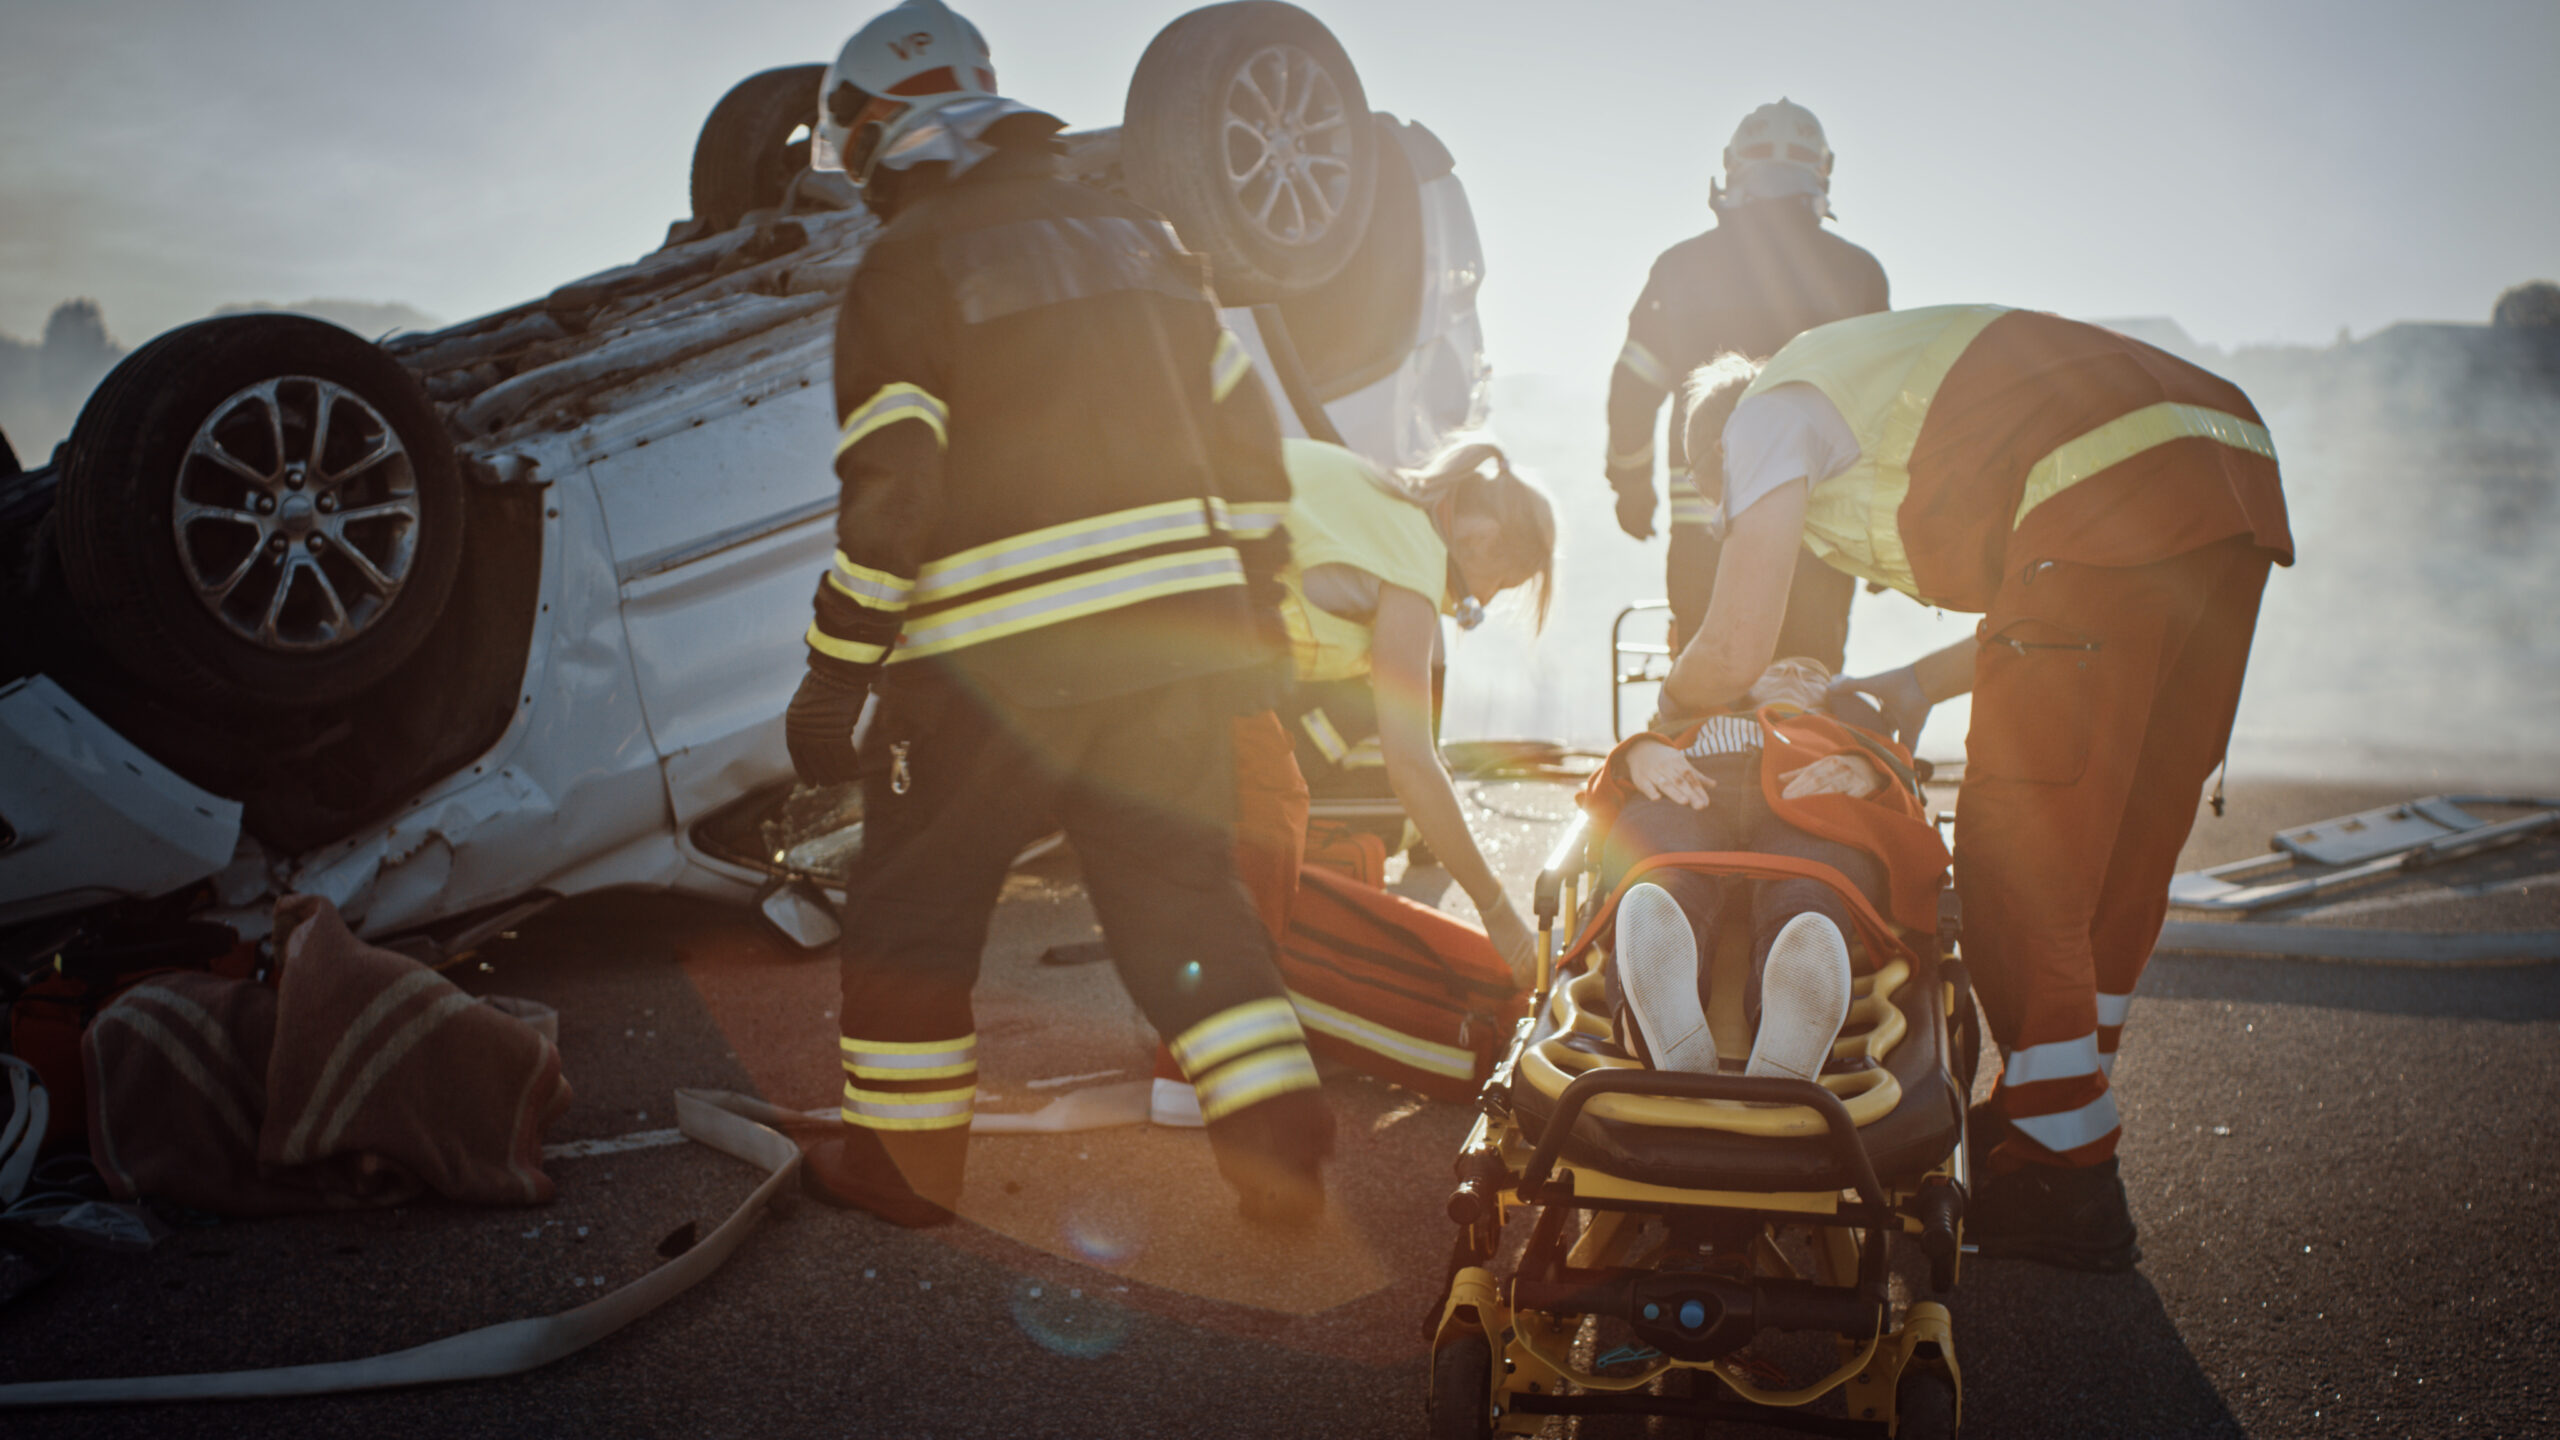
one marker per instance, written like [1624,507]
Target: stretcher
[1712,1247]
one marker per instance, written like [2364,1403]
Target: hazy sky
[2258,171]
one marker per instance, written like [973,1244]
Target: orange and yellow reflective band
[876,588]
[1249,519]
[1056,547]
[1228,1088]
[2126,436]
[1069,599]
[891,404]
[910,1059]
[2069,1130]
[851,652]
[1640,362]
[1377,1039]
[1638,458]
[908,1109]
[1234,1031]
[1229,366]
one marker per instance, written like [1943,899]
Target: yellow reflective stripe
[910,1060]
[1058,546]
[1328,741]
[2126,436]
[1233,1032]
[908,1110]
[1229,366]
[1682,483]
[1692,510]
[1640,362]
[1377,1039]
[1639,457]
[1070,599]
[1254,1079]
[876,588]
[852,652]
[889,405]
[1250,519]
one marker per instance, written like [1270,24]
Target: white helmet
[1778,151]
[905,64]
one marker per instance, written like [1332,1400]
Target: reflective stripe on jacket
[1993,438]
[1059,472]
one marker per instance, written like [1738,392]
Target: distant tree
[2535,303]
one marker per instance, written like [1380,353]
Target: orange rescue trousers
[2102,701]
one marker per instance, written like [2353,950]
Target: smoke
[2413,640]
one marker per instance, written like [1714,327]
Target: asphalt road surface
[2344,1176]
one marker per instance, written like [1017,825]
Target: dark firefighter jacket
[1060,477]
[1766,273]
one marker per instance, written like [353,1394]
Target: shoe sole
[1804,999]
[1657,960]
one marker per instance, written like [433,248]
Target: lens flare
[1069,1321]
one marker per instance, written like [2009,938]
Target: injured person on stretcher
[1773,778]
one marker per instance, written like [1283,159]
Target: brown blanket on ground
[362,1079]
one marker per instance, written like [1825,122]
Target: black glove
[1898,702]
[818,728]
[1635,509]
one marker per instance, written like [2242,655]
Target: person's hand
[818,728]
[1851,775]
[1899,700]
[1635,509]
[1513,940]
[1662,773]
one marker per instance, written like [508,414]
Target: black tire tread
[738,162]
[1461,1381]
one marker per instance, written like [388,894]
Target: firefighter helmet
[1778,150]
[905,64]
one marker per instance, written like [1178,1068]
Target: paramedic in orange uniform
[2111,511]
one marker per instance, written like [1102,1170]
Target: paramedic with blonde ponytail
[1376,560]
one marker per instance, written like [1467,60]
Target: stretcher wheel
[1461,1405]
[1924,1406]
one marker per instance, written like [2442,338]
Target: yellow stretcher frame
[1527,1353]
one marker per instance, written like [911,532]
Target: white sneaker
[1804,999]
[1657,961]
[1175,1103]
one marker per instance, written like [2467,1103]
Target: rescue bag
[1396,989]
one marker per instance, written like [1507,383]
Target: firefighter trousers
[954,786]
[2102,701]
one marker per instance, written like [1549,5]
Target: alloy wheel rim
[296,514]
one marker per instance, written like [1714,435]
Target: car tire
[1246,126]
[754,141]
[258,512]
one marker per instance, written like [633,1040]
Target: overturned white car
[451,626]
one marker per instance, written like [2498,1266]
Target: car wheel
[259,511]
[755,140]
[1247,127]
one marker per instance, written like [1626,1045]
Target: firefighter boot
[909,1178]
[1271,1153]
[2075,1217]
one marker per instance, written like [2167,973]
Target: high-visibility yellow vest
[1885,373]
[1339,516]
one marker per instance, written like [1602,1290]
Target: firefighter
[2112,512]
[1057,563]
[1767,271]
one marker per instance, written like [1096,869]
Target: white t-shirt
[1787,432]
